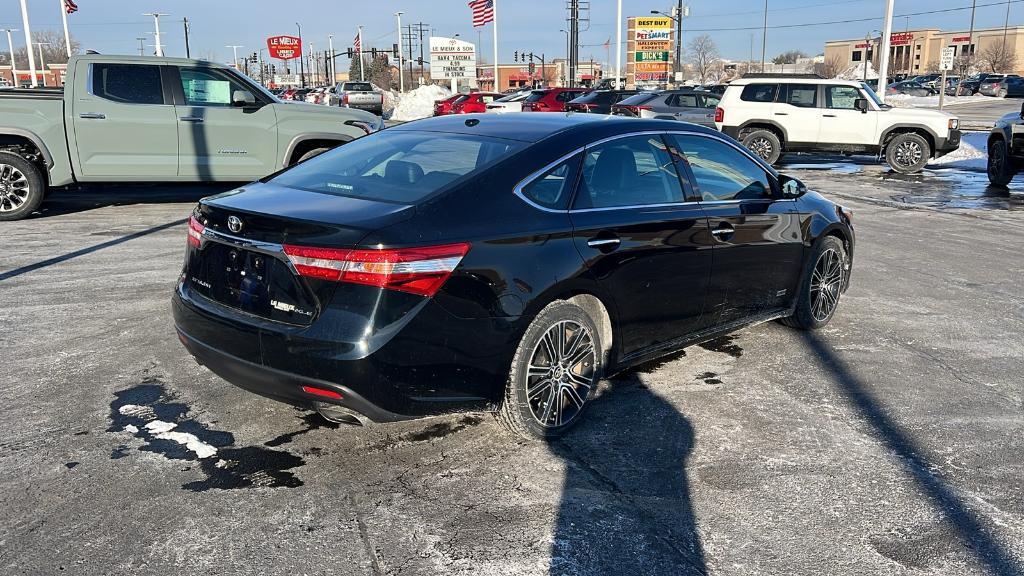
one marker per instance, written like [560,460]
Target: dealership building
[915,52]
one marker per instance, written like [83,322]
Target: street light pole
[401,76]
[156,25]
[764,35]
[234,50]
[883,59]
[28,44]
[42,61]
[142,45]
[618,46]
[302,68]
[10,46]
[330,65]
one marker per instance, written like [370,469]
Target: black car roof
[536,126]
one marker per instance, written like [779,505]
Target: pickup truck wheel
[311,154]
[765,144]
[21,187]
[908,153]
[1000,167]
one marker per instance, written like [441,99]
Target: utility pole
[401,72]
[1006,24]
[234,50]
[970,38]
[28,44]
[764,35]
[10,46]
[574,38]
[302,70]
[423,28]
[679,43]
[156,25]
[188,52]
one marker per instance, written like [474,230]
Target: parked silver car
[693,106]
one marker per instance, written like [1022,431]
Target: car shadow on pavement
[972,531]
[625,505]
[91,196]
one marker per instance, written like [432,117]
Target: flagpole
[28,44]
[495,23]
[618,47]
[362,75]
[67,36]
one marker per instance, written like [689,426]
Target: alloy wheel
[14,188]
[826,284]
[908,154]
[762,147]
[561,374]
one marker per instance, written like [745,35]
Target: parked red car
[552,100]
[475,103]
[443,107]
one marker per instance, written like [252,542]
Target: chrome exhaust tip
[340,414]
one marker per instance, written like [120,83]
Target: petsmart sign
[451,58]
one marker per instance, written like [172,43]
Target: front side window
[802,95]
[208,87]
[722,172]
[841,97]
[552,189]
[128,83]
[632,171]
[400,166]
[759,93]
[710,101]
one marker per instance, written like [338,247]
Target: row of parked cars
[997,85]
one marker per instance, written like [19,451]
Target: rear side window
[721,172]
[759,93]
[536,96]
[683,100]
[399,166]
[802,95]
[128,83]
[638,99]
[633,171]
[711,101]
[553,188]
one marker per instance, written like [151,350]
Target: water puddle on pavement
[150,413]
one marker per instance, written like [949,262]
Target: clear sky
[112,26]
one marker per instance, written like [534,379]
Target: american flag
[359,45]
[70,6]
[483,12]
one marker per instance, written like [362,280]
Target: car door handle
[723,232]
[92,116]
[191,119]
[828,115]
[782,113]
[603,242]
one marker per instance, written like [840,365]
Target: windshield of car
[874,97]
[398,166]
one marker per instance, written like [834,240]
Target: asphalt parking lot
[891,442]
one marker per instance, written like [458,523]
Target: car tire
[1002,93]
[765,144]
[311,154]
[822,284]
[546,395]
[1000,166]
[908,153]
[22,187]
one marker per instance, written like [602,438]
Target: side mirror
[791,187]
[861,104]
[242,98]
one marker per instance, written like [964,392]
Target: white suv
[772,116]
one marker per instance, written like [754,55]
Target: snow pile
[419,103]
[971,155]
[856,72]
[390,99]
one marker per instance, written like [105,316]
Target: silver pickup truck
[361,96]
[145,119]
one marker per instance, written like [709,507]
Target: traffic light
[533,67]
[516,58]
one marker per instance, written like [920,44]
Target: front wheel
[21,187]
[555,370]
[908,153]
[765,144]
[823,283]
[1000,166]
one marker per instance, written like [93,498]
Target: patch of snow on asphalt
[972,153]
[162,430]
[419,103]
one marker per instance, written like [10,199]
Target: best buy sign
[652,56]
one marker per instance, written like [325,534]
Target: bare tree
[789,57]
[704,56]
[997,58]
[53,49]
[830,67]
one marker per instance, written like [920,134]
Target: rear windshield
[358,86]
[537,96]
[397,166]
[638,99]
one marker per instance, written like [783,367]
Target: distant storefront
[52,76]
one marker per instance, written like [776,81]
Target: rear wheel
[21,187]
[908,153]
[1000,166]
[823,283]
[1002,93]
[765,144]
[556,368]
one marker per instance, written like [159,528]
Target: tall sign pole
[495,24]
[401,75]
[618,47]
[362,74]
[330,65]
[883,59]
[28,44]
[67,35]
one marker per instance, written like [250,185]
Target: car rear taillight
[719,114]
[344,98]
[416,270]
[195,232]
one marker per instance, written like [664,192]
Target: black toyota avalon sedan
[499,262]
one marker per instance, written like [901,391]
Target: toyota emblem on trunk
[234,224]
